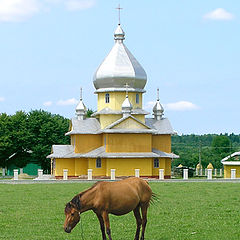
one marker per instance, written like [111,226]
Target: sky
[189,50]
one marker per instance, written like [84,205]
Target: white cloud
[219,14]
[71,101]
[149,105]
[2,99]
[47,104]
[74,5]
[18,10]
[181,106]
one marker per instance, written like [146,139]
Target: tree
[45,130]
[5,139]
[89,113]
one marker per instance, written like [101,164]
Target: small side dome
[158,108]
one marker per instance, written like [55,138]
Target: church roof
[162,126]
[86,126]
[105,111]
[67,151]
[120,67]
[123,119]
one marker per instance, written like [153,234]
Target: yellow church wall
[162,142]
[81,166]
[64,163]
[116,99]
[167,171]
[87,142]
[227,171]
[106,120]
[97,171]
[127,166]
[129,142]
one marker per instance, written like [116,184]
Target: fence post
[137,172]
[15,174]
[215,172]
[233,173]
[200,171]
[196,172]
[209,175]
[205,171]
[161,174]
[185,174]
[3,172]
[220,172]
[89,174]
[65,174]
[40,174]
[113,174]
[21,170]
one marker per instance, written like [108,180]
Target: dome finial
[126,105]
[126,85]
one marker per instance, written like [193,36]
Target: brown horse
[117,198]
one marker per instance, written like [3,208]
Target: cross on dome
[119,13]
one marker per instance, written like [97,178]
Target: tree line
[28,137]
[208,148]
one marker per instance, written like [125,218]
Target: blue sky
[189,49]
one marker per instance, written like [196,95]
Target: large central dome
[119,68]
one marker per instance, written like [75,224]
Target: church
[118,135]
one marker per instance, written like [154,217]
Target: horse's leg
[144,218]
[138,220]
[107,224]
[102,226]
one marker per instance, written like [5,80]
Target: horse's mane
[75,202]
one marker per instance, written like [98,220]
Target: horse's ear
[76,202]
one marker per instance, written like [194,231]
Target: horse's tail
[154,198]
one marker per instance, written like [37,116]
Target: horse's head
[72,213]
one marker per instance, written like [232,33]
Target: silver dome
[120,67]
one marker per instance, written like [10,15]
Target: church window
[107,98]
[137,98]
[156,163]
[98,163]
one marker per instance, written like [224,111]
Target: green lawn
[184,211]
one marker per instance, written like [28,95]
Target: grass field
[198,211]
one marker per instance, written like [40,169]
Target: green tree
[45,130]
[5,139]
[89,113]
[19,136]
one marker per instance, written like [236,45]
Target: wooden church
[118,136]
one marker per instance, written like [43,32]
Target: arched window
[156,163]
[98,162]
[107,98]
[137,98]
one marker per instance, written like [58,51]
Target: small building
[118,135]
[231,162]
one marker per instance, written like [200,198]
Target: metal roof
[225,162]
[123,119]
[67,151]
[120,67]
[162,126]
[106,111]
[86,126]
